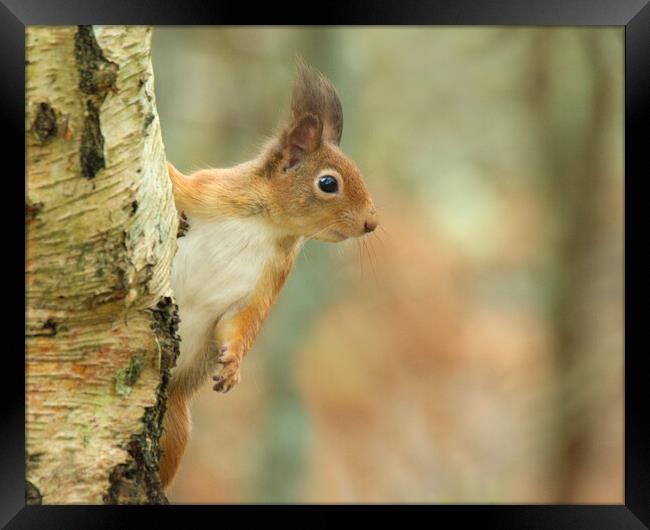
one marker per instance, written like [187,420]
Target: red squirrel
[246,226]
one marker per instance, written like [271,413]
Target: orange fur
[238,331]
[176,433]
[279,189]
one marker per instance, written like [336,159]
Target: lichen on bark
[97,75]
[45,125]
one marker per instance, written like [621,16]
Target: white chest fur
[218,264]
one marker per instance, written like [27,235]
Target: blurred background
[469,351]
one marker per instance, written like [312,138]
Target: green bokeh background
[484,323]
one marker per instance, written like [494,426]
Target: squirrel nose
[371,223]
[369,226]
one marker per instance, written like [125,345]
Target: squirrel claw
[229,375]
[225,384]
[219,386]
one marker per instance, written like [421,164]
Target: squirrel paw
[229,375]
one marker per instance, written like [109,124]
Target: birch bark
[101,234]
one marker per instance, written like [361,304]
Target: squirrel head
[317,191]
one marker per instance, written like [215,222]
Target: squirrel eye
[328,184]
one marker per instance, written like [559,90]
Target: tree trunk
[585,279]
[101,235]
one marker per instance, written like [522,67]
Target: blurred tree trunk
[280,472]
[100,231]
[586,235]
[590,238]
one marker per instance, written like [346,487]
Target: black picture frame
[634,15]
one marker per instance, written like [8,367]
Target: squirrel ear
[303,138]
[314,93]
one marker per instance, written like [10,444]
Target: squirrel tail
[176,433]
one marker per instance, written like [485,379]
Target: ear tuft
[313,93]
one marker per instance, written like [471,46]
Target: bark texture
[101,234]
